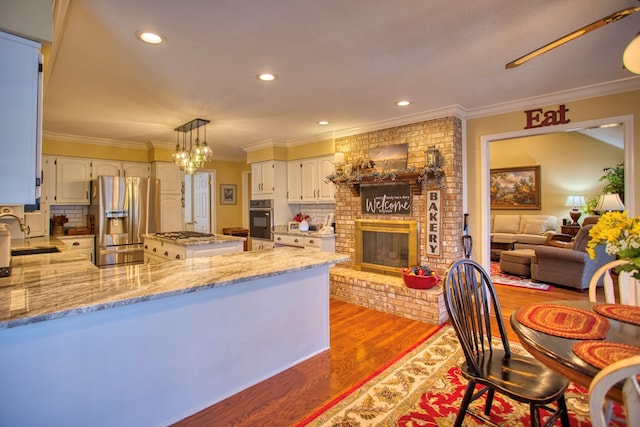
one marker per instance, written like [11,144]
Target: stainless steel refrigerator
[124,210]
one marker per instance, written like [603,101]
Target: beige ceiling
[346,61]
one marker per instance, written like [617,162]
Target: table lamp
[609,202]
[576,202]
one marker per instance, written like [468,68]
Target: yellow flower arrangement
[621,237]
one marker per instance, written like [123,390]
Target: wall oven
[261,219]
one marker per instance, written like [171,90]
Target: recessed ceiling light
[267,77]
[403,103]
[323,122]
[150,38]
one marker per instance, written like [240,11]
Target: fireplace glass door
[385,246]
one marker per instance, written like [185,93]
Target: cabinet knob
[279,239]
[155,249]
[295,240]
[311,241]
[166,253]
[178,256]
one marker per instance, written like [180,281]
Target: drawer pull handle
[76,243]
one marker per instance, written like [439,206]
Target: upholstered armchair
[570,265]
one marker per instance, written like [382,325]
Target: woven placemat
[603,353]
[621,312]
[564,321]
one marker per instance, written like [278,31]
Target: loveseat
[524,231]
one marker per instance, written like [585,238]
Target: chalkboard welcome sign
[392,199]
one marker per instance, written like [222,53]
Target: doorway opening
[199,209]
[486,140]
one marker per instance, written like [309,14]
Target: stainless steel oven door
[261,223]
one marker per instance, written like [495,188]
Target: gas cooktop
[184,235]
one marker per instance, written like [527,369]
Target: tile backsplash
[77,215]
[318,212]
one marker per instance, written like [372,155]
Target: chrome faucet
[23,227]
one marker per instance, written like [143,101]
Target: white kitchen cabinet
[20,119]
[309,178]
[161,250]
[105,168]
[170,177]
[324,243]
[100,167]
[171,209]
[319,241]
[48,187]
[261,245]
[37,223]
[81,243]
[72,181]
[136,169]
[264,178]
[294,181]
[172,217]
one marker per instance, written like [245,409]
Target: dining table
[562,334]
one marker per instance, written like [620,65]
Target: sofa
[524,231]
[568,266]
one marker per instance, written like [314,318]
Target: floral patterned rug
[500,278]
[425,388]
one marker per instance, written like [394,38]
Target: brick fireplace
[385,292]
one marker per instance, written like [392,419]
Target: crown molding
[93,140]
[454,110]
[585,92]
[268,143]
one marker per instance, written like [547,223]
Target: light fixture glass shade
[631,56]
[338,158]
[609,202]
[192,155]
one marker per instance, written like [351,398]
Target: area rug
[425,388]
[500,278]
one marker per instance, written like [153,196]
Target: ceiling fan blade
[614,17]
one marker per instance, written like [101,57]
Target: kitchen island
[150,344]
[176,245]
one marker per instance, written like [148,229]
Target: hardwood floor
[362,341]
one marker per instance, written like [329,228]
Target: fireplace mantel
[414,178]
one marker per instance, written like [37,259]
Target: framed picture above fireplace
[389,157]
[515,188]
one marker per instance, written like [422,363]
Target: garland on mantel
[358,176]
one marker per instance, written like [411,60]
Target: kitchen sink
[34,251]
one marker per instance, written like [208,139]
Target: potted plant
[615,176]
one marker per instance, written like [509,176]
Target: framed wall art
[228,194]
[515,188]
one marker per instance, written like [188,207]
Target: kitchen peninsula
[150,344]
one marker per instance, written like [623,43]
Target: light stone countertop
[216,239]
[50,286]
[282,229]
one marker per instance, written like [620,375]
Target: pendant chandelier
[191,155]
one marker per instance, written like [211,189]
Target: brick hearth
[388,293]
